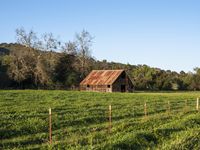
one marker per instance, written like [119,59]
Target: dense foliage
[47,63]
[80,120]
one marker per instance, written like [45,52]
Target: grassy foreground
[80,120]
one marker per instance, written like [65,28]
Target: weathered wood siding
[122,80]
[97,88]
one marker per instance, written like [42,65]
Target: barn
[107,81]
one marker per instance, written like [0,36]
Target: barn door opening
[123,88]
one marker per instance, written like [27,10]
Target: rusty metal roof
[101,77]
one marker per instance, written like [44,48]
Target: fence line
[168,105]
[169,108]
[145,109]
[50,126]
[110,118]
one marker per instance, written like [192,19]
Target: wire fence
[140,110]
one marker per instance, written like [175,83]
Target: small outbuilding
[107,81]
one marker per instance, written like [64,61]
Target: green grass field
[80,120]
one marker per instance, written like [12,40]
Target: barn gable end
[107,81]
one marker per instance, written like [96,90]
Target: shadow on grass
[136,142]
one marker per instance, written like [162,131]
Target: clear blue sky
[159,33]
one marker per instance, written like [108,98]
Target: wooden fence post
[197,107]
[110,118]
[168,106]
[50,127]
[186,106]
[145,109]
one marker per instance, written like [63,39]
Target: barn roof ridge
[109,70]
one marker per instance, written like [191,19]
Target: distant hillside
[53,70]
[5,49]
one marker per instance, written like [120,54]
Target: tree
[4,78]
[28,39]
[23,60]
[42,75]
[65,73]
[21,65]
[144,77]
[48,58]
[195,81]
[84,43]
[49,42]
[70,48]
[30,64]
[66,69]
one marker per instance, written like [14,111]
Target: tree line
[44,62]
